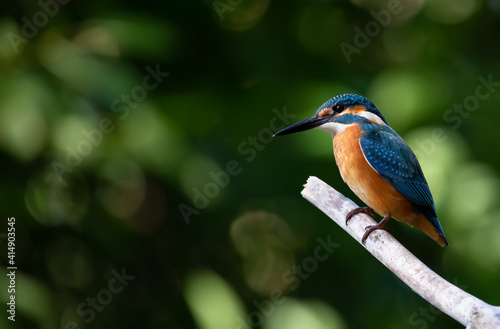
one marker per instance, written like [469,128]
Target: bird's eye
[339,108]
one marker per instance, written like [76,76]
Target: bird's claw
[370,228]
[360,210]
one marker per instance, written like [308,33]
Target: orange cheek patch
[355,109]
[327,111]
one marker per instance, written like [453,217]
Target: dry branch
[460,305]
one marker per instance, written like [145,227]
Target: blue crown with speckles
[341,102]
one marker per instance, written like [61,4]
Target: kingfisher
[376,164]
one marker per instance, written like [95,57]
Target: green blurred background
[100,161]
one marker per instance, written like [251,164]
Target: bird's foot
[380,226]
[360,210]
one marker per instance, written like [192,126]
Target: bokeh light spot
[34,299]
[474,190]
[404,97]
[240,15]
[23,128]
[160,146]
[265,241]
[451,11]
[295,314]
[206,294]
[54,201]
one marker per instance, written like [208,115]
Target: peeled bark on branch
[458,304]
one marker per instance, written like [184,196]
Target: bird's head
[337,113]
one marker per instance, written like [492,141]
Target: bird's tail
[430,225]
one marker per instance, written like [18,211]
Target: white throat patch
[372,117]
[333,127]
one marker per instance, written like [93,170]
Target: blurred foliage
[103,152]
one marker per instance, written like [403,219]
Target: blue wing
[389,155]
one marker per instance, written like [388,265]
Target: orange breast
[363,180]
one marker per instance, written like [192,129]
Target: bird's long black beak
[312,122]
